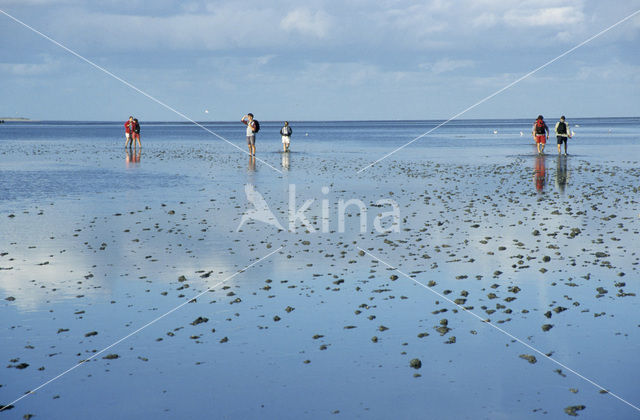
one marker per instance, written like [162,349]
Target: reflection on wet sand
[561,173]
[133,157]
[540,172]
[285,160]
[252,163]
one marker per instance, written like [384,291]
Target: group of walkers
[132,133]
[541,134]
[253,126]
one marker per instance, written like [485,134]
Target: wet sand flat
[496,250]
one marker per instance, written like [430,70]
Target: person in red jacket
[540,133]
[128,131]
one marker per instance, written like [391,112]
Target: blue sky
[318,60]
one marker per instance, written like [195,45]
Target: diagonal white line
[139,329]
[159,102]
[463,309]
[503,89]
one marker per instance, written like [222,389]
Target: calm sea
[58,158]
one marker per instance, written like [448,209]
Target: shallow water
[96,240]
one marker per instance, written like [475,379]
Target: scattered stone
[200,320]
[529,358]
[573,409]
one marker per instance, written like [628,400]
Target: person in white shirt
[286,132]
[251,132]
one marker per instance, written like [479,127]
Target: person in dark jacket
[562,134]
[136,133]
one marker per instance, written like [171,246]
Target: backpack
[562,128]
[540,125]
[256,126]
[286,131]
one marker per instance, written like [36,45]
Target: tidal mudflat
[507,289]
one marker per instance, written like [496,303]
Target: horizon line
[26,119]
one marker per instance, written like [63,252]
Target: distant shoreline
[435,121]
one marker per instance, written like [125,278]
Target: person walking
[540,133]
[252,128]
[128,131]
[136,133]
[286,132]
[562,134]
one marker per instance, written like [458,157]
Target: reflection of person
[562,133]
[132,158]
[540,173]
[561,173]
[252,163]
[286,132]
[540,133]
[136,133]
[128,130]
[285,161]
[251,132]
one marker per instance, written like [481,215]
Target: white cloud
[485,20]
[446,65]
[306,22]
[30,69]
[552,16]
[610,72]
[265,59]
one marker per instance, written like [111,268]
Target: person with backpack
[286,132]
[540,133]
[562,133]
[253,126]
[136,133]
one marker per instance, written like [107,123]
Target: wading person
[128,131]
[562,134]
[136,133]
[286,132]
[253,126]
[540,133]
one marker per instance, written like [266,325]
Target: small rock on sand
[529,358]
[572,410]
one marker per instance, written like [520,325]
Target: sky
[318,60]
